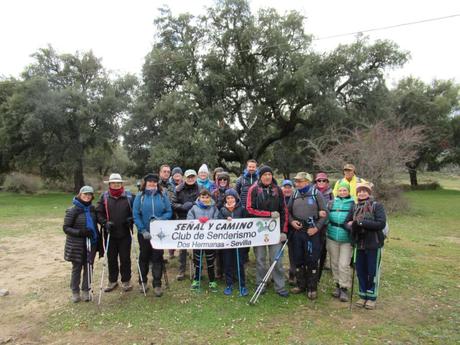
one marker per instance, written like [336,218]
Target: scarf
[89,220]
[305,189]
[116,193]
[363,210]
[206,183]
[203,205]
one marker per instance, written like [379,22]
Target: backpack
[386,229]
[314,195]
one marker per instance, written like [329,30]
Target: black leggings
[209,256]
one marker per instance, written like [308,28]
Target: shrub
[22,183]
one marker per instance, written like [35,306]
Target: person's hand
[296,224]
[283,237]
[312,231]
[188,205]
[229,219]
[85,233]
[109,226]
[275,214]
[203,219]
[146,235]
[322,214]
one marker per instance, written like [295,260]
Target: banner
[215,233]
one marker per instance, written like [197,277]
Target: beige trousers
[340,254]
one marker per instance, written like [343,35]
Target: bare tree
[378,152]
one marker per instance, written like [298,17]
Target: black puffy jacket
[184,193]
[367,233]
[238,212]
[75,244]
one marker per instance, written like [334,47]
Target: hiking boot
[158,291]
[283,293]
[213,286]
[141,289]
[343,297]
[370,305]
[361,303]
[312,294]
[228,290]
[85,296]
[291,280]
[336,292]
[296,290]
[110,286]
[195,285]
[76,297]
[244,292]
[126,286]
[180,276]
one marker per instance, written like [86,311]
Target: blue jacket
[147,206]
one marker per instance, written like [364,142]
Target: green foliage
[65,106]
[232,84]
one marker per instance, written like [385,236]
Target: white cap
[114,178]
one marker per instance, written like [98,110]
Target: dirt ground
[34,271]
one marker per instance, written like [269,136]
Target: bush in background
[22,183]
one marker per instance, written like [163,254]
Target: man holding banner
[265,199]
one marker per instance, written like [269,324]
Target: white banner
[215,233]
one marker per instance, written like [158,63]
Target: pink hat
[321,176]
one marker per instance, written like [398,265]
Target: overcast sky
[121,32]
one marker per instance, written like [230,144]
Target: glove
[109,226]
[85,233]
[283,237]
[129,221]
[146,235]
[203,219]
[275,214]
[188,205]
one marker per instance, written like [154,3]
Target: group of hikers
[345,222]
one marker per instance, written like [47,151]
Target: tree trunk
[412,168]
[78,178]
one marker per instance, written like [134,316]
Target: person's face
[322,182]
[86,197]
[203,175]
[222,181]
[205,198]
[348,173]
[362,194]
[177,178]
[343,192]
[115,185]
[165,172]
[251,167]
[190,179]
[287,190]
[230,200]
[151,184]
[299,184]
[267,178]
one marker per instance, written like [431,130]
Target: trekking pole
[165,274]
[353,277]
[261,286]
[199,270]
[106,263]
[190,265]
[137,261]
[238,268]
[89,268]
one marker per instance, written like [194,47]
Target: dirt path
[34,271]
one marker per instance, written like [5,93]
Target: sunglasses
[222,179]
[322,180]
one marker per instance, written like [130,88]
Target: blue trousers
[367,269]
[230,265]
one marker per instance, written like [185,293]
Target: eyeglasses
[322,181]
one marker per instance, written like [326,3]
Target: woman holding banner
[152,203]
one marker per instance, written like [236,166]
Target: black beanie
[265,169]
[151,177]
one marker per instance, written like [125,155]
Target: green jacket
[337,215]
